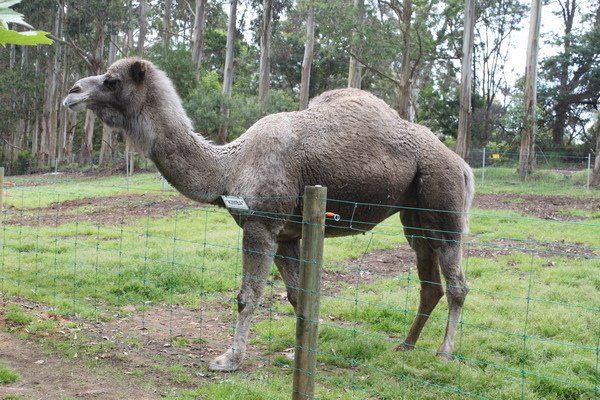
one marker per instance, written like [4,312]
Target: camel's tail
[469,192]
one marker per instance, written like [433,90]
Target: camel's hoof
[404,347]
[445,355]
[226,362]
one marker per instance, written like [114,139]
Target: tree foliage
[416,58]
[8,36]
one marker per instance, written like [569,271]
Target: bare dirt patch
[116,209]
[369,268]
[546,207]
[141,354]
[44,375]
[173,333]
[108,210]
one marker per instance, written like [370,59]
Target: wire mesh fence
[137,268]
[558,168]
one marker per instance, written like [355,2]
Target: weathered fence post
[311,261]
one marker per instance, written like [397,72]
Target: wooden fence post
[311,262]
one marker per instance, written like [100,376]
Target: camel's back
[354,133]
[349,141]
[351,117]
[345,135]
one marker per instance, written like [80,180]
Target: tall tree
[355,67]
[167,14]
[406,71]
[308,57]
[463,140]
[198,37]
[48,138]
[95,66]
[596,173]
[264,78]
[496,21]
[109,134]
[571,77]
[143,26]
[228,73]
[527,153]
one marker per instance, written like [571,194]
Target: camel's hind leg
[429,277]
[450,254]
[287,260]
[437,242]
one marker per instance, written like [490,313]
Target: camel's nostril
[75,89]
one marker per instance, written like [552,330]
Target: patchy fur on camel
[347,140]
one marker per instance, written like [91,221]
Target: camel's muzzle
[75,102]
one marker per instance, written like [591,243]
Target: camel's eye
[111,83]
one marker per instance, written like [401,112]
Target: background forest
[407,52]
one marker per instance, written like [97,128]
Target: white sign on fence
[235,203]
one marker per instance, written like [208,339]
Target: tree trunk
[198,45]
[167,24]
[463,140]
[558,125]
[143,26]
[47,149]
[128,40]
[405,69]
[308,58]
[596,172]
[527,154]
[109,134]
[355,68]
[561,108]
[265,56]
[35,134]
[87,142]
[129,158]
[69,135]
[228,74]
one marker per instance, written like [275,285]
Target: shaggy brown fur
[347,140]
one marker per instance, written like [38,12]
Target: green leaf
[10,16]
[27,38]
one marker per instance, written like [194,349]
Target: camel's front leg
[259,247]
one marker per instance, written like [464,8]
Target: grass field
[76,278]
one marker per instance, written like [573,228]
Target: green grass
[42,190]
[542,182]
[530,326]
[7,375]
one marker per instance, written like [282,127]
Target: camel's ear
[137,71]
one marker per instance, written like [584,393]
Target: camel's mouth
[75,102]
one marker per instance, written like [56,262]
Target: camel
[347,140]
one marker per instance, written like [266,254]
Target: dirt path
[48,376]
[108,210]
[111,210]
[147,355]
[546,207]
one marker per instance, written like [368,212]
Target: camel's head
[116,95]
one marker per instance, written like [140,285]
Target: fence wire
[159,273]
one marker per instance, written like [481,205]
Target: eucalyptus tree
[228,72]
[308,55]
[570,77]
[528,133]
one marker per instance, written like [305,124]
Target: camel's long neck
[188,162]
